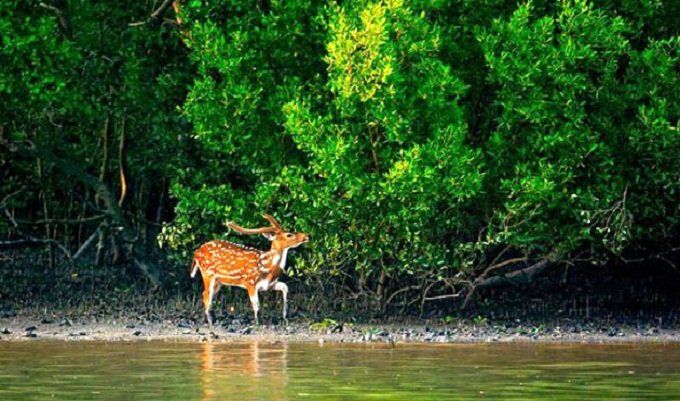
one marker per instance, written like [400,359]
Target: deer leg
[279,286]
[262,285]
[210,287]
[255,301]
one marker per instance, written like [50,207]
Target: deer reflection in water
[239,371]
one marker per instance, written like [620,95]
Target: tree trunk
[109,203]
[380,290]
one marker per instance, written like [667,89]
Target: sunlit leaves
[414,137]
[567,102]
[386,141]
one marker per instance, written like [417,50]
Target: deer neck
[277,257]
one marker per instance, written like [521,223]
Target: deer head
[280,238]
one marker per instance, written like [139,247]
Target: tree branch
[157,13]
[7,197]
[402,290]
[29,240]
[86,244]
[660,256]
[160,10]
[445,296]
[525,275]
[61,221]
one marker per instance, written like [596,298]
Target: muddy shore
[19,327]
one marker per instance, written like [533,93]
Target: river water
[261,371]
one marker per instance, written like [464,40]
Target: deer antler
[272,220]
[262,230]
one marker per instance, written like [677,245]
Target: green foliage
[480,320]
[571,105]
[416,142]
[246,65]
[448,319]
[433,134]
[384,140]
[324,325]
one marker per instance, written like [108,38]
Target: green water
[252,371]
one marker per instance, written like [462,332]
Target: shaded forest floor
[587,305]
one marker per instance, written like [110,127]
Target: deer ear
[269,236]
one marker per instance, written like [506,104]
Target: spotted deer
[226,263]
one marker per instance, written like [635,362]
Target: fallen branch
[521,276]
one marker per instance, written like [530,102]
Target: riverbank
[110,307]
[18,327]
